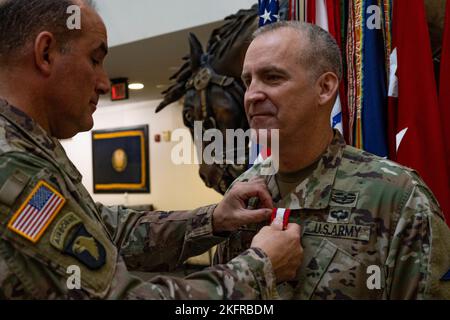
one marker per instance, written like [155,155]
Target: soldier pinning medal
[55,241]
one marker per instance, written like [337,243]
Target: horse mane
[219,49]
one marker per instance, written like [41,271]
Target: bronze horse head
[213,91]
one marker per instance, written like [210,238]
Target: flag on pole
[325,14]
[297,10]
[374,82]
[444,85]
[268,11]
[415,121]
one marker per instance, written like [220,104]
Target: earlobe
[328,86]
[44,46]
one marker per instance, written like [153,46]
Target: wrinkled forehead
[277,44]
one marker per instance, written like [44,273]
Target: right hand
[283,249]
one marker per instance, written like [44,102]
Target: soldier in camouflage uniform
[371,229]
[48,221]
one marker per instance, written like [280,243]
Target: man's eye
[95,62]
[273,77]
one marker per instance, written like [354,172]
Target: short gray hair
[22,20]
[320,55]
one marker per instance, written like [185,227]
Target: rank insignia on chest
[37,212]
[71,237]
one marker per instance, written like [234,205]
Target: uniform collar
[39,138]
[315,191]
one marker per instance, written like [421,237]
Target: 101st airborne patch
[37,212]
[71,237]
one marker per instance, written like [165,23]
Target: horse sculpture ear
[196,52]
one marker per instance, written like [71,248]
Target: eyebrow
[103,48]
[265,70]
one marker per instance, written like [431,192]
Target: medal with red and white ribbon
[281,216]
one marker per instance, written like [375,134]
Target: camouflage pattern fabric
[359,213]
[103,242]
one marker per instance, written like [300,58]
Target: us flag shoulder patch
[37,212]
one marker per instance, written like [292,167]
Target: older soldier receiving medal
[371,229]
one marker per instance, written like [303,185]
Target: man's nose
[103,84]
[254,94]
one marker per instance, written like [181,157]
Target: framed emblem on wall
[120,160]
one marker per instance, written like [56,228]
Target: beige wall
[134,20]
[173,187]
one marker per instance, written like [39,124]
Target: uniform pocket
[331,273]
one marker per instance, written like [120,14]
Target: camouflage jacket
[51,230]
[371,229]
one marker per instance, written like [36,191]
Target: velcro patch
[337,230]
[339,215]
[343,199]
[86,249]
[37,212]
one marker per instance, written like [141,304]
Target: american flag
[37,212]
[268,11]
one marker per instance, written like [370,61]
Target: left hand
[232,213]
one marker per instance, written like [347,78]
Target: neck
[12,89]
[305,150]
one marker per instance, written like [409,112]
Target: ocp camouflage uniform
[360,214]
[104,242]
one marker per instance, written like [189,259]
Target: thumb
[293,227]
[277,224]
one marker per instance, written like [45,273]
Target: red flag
[444,85]
[416,119]
[311,11]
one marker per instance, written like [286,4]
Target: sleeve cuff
[260,267]
[202,225]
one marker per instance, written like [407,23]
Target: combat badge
[339,215]
[71,237]
[37,212]
[343,199]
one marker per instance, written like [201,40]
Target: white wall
[173,187]
[133,20]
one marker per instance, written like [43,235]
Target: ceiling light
[136,86]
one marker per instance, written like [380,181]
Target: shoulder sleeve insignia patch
[446,277]
[37,212]
[85,248]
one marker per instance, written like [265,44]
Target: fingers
[293,227]
[254,188]
[277,225]
[254,216]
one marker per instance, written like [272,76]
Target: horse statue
[210,82]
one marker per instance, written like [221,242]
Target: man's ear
[44,52]
[328,85]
